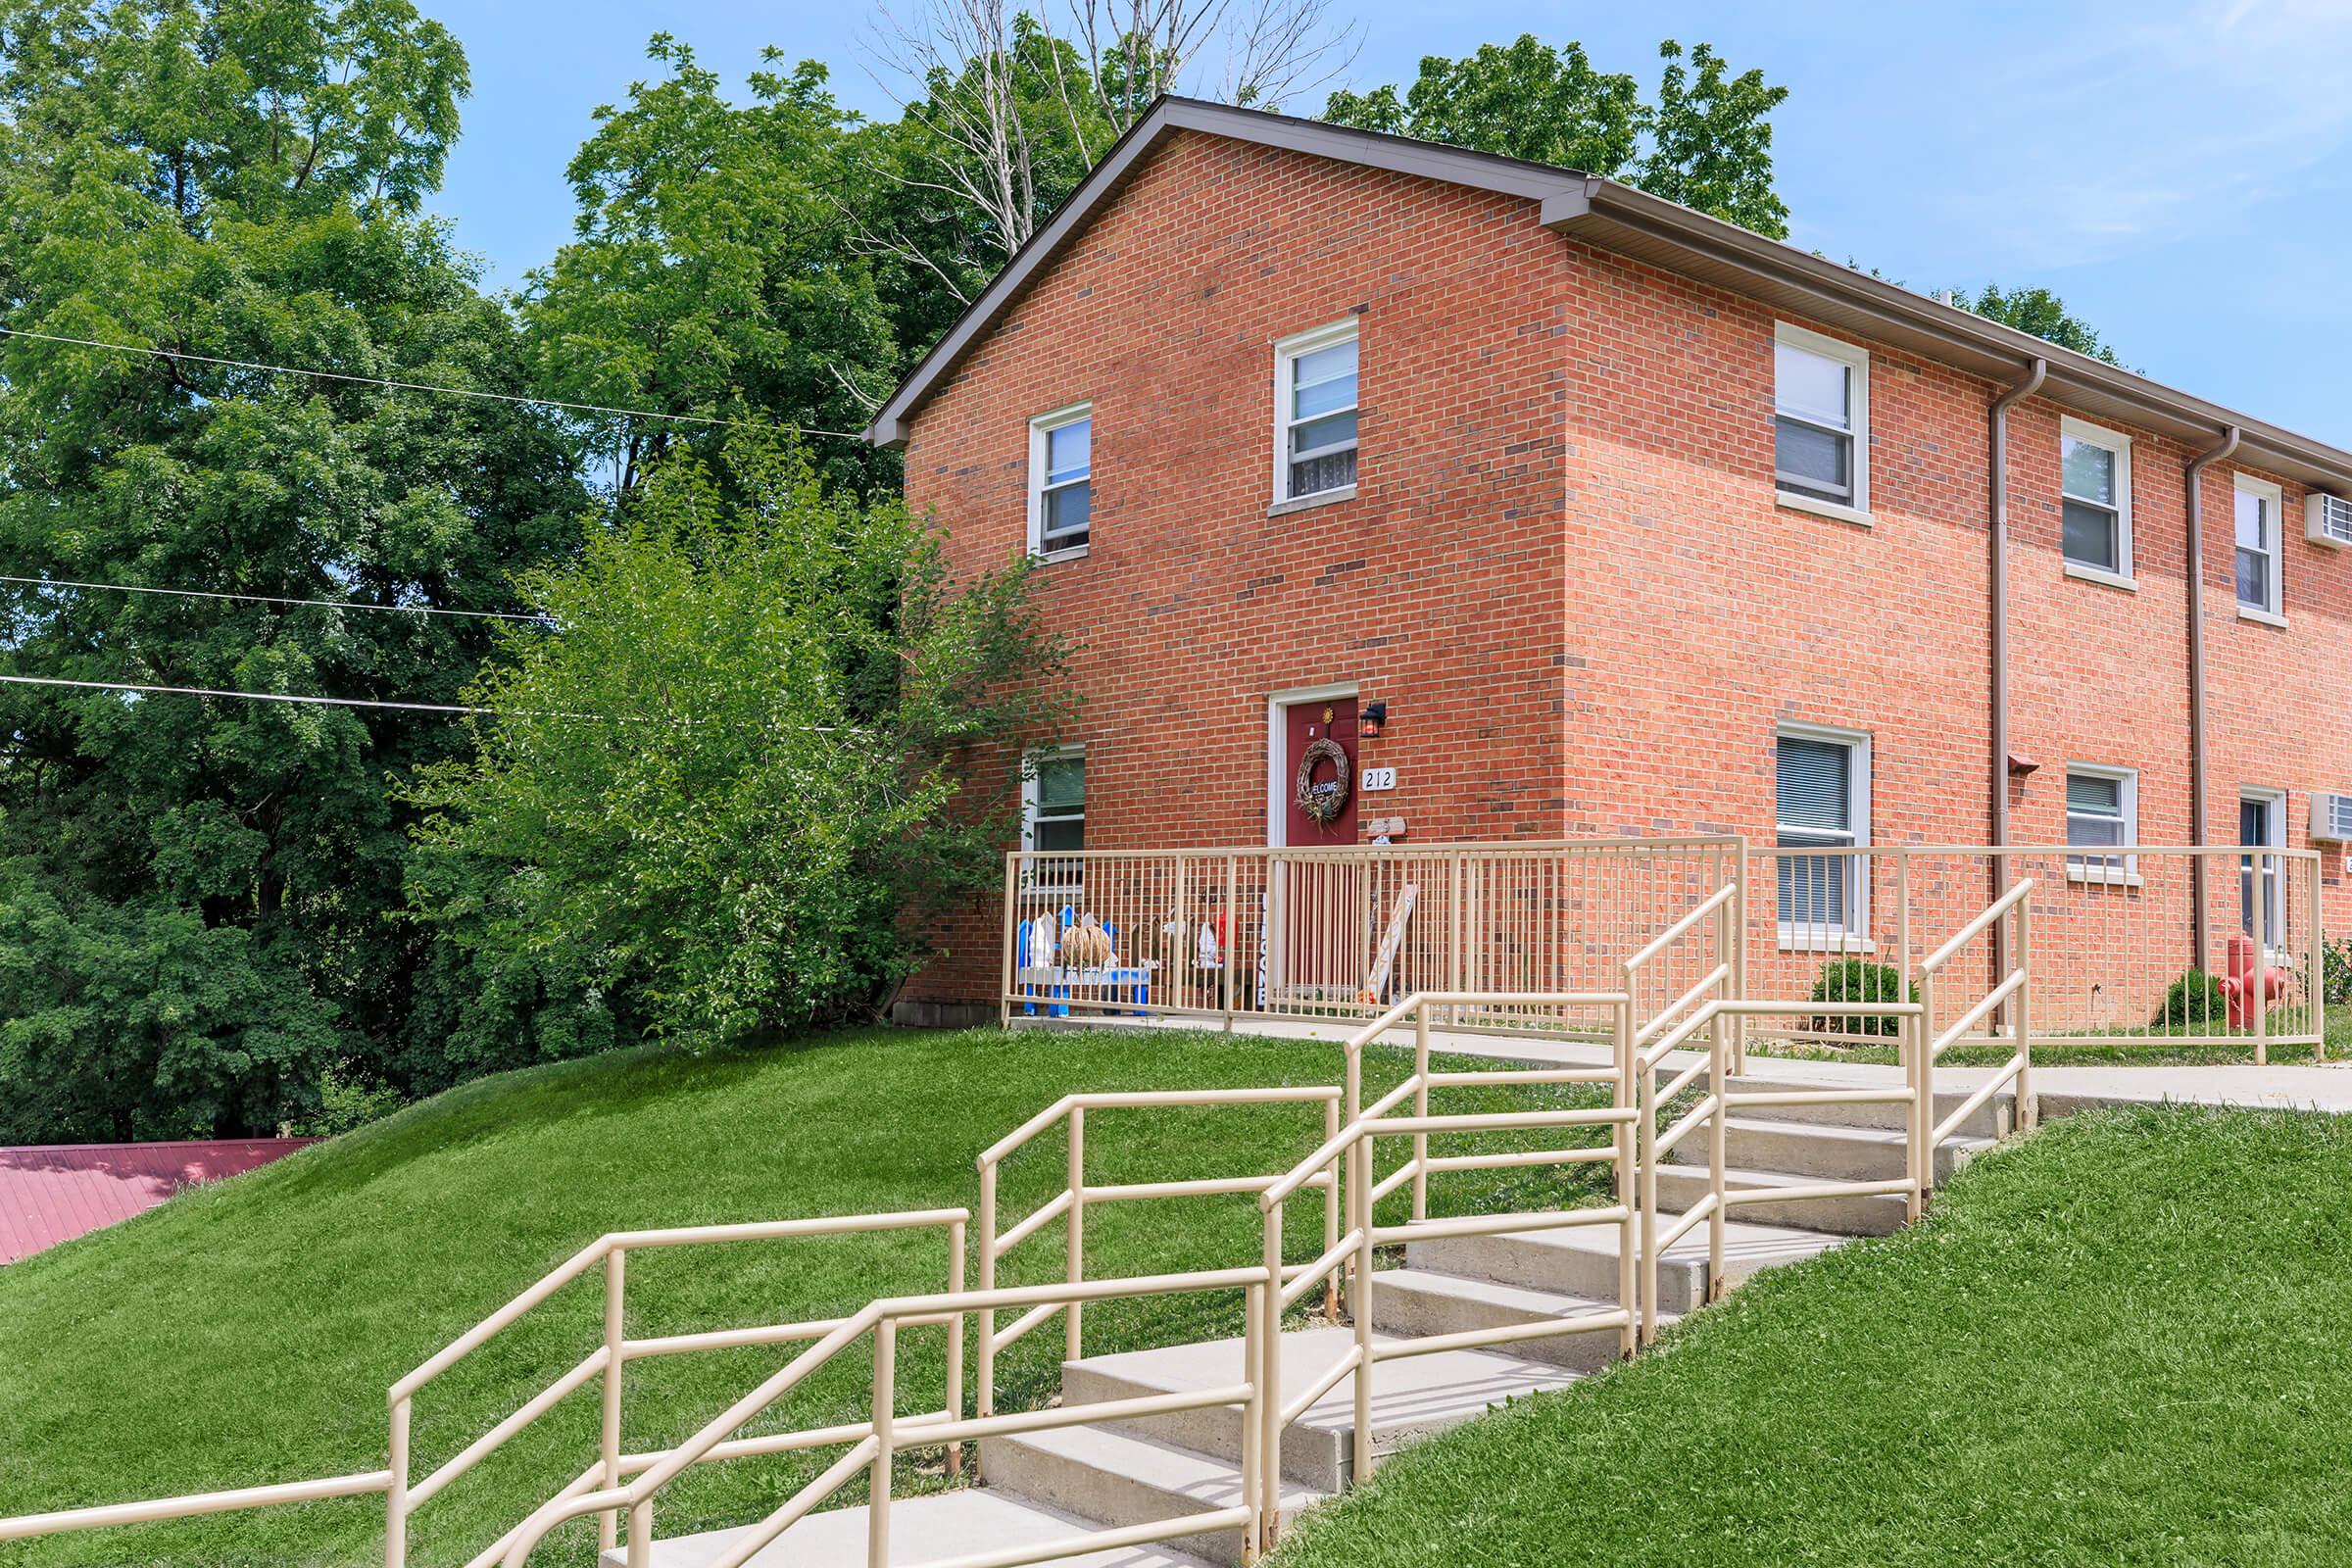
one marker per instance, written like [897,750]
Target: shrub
[2195,998]
[2335,970]
[1859,980]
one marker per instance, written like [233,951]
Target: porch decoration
[1322,799]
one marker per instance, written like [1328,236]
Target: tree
[723,787]
[197,891]
[1705,141]
[712,275]
[2039,312]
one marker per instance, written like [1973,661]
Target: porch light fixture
[1372,720]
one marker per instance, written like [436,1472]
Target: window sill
[1823,509]
[2103,876]
[1321,498]
[2102,577]
[2268,618]
[1050,556]
[1800,939]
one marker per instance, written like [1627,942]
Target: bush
[2195,998]
[2335,970]
[1859,980]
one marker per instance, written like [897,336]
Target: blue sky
[2179,172]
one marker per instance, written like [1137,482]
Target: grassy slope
[245,1333]
[2118,1343]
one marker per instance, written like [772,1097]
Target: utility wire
[254,697]
[267,598]
[422,386]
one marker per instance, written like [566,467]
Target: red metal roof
[53,1194]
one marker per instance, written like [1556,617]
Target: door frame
[1278,792]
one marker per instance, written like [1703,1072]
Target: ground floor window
[1054,815]
[1823,779]
[2102,811]
[2262,820]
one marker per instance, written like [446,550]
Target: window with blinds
[1819,809]
[2100,810]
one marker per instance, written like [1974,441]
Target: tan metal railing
[2011,993]
[876,1442]
[1336,934]
[1078,1195]
[1355,1248]
[608,1360]
[2115,927]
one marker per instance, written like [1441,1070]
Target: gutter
[2230,440]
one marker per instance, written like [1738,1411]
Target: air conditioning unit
[2328,520]
[2331,817]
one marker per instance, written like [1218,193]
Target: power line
[254,697]
[270,599]
[422,386]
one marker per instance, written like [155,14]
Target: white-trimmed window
[2259,504]
[2262,822]
[1821,422]
[2102,813]
[1316,412]
[1061,481]
[1054,815]
[2094,488]
[1823,782]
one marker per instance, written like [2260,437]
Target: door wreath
[1322,799]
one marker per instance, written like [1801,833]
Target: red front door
[1304,723]
[1319,961]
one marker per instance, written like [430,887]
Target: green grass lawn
[2084,1051]
[245,1333]
[2121,1341]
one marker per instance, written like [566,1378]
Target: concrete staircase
[1059,1484]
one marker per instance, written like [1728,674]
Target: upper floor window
[2258,506]
[2102,811]
[1821,422]
[1314,412]
[2094,486]
[1061,488]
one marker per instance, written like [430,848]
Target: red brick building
[1633,521]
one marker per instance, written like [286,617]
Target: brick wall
[1565,568]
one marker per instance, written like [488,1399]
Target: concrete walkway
[2059,1089]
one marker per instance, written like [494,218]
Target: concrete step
[938,1528]
[1582,1261]
[1875,1214]
[1821,1151]
[1995,1118]
[1411,1397]
[1116,1479]
[1417,1301]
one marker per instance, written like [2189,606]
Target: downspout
[2196,688]
[2036,374]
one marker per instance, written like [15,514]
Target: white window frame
[1040,428]
[2109,874]
[1285,352]
[2119,444]
[1856,360]
[1807,936]
[1032,778]
[2274,915]
[2274,612]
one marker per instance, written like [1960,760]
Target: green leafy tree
[723,791]
[713,272]
[2039,312]
[1705,141]
[199,892]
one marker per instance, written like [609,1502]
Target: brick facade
[1564,566]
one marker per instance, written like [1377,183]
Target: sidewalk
[2060,1089]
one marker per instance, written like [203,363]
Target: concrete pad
[923,1530]
[1582,1259]
[1102,1474]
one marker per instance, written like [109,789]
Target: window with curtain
[1821,422]
[1061,481]
[1315,394]
[1818,786]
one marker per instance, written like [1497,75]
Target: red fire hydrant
[2246,974]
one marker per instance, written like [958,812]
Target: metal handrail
[1976,927]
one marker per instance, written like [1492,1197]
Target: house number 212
[1379,780]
